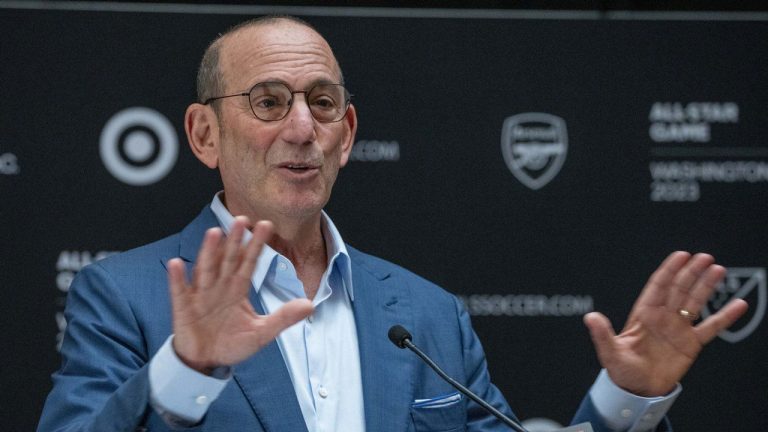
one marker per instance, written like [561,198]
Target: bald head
[211,79]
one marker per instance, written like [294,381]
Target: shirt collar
[334,246]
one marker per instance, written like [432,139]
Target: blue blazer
[119,314]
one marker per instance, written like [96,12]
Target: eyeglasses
[271,101]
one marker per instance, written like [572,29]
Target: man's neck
[298,238]
[309,259]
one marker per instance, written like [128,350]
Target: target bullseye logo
[139,146]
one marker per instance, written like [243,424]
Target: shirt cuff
[624,411]
[180,394]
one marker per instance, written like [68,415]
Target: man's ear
[348,139]
[202,127]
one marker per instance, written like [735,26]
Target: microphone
[402,339]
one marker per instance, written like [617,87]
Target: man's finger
[233,247]
[702,290]
[710,327]
[177,281]
[261,233]
[686,278]
[656,291]
[288,315]
[601,331]
[205,270]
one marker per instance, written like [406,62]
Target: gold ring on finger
[690,316]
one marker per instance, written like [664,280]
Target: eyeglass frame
[347,102]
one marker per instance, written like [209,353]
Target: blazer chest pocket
[443,414]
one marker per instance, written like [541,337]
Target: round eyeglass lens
[272,101]
[328,102]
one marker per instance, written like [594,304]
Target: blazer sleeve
[103,382]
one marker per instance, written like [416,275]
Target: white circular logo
[139,146]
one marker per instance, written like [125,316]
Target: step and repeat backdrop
[538,166]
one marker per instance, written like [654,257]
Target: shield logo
[747,283]
[534,146]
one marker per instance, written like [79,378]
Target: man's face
[285,167]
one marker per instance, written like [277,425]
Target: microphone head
[398,335]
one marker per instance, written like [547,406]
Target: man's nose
[301,124]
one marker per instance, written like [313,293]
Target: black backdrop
[650,129]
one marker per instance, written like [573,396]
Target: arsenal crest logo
[748,283]
[534,146]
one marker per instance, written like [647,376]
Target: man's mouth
[299,167]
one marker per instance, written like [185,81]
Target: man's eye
[265,103]
[324,102]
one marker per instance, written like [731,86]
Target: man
[282,327]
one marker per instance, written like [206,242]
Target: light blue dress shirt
[322,354]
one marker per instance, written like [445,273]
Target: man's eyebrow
[282,81]
[319,81]
[269,80]
[323,81]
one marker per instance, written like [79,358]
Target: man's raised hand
[214,323]
[659,343]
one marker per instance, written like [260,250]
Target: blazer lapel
[266,383]
[387,372]
[191,237]
[263,377]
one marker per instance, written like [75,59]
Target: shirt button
[322,392]
[310,319]
[281,266]
[626,413]
[201,400]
